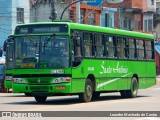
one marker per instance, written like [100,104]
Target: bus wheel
[95,95]
[86,96]
[132,92]
[40,99]
[134,88]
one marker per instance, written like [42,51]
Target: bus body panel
[8,79]
[51,89]
[8,84]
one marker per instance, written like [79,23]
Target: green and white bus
[8,49]
[64,58]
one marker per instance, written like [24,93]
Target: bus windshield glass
[42,52]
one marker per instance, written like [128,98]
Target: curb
[158,80]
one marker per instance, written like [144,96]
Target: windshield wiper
[49,39]
[27,35]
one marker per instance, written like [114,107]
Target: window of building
[152,2]
[88,41]
[99,46]
[91,19]
[82,17]
[108,20]
[20,15]
[145,25]
[110,46]
[127,23]
[139,25]
[71,15]
[148,25]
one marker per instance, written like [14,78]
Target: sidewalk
[158,79]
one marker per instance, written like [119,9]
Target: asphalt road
[147,100]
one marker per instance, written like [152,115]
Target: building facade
[47,10]
[12,12]
[94,2]
[88,14]
[107,17]
[156,22]
[134,15]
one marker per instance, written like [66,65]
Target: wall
[40,11]
[150,6]
[5,20]
[157,30]
[88,9]
[8,19]
[132,9]
[20,4]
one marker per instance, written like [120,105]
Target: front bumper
[60,88]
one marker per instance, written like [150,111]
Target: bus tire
[86,96]
[40,99]
[132,93]
[95,95]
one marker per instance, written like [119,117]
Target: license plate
[28,65]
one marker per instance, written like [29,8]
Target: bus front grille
[39,88]
[39,80]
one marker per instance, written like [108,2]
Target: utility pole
[120,15]
[78,12]
[53,11]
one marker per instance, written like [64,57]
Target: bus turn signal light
[68,79]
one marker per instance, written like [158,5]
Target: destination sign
[41,28]
[46,29]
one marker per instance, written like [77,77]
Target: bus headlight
[19,80]
[62,79]
[8,77]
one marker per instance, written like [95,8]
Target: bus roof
[99,29]
[109,30]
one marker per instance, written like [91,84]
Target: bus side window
[127,48]
[110,47]
[121,47]
[77,51]
[132,48]
[148,48]
[88,41]
[99,46]
[140,49]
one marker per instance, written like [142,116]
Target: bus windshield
[42,52]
